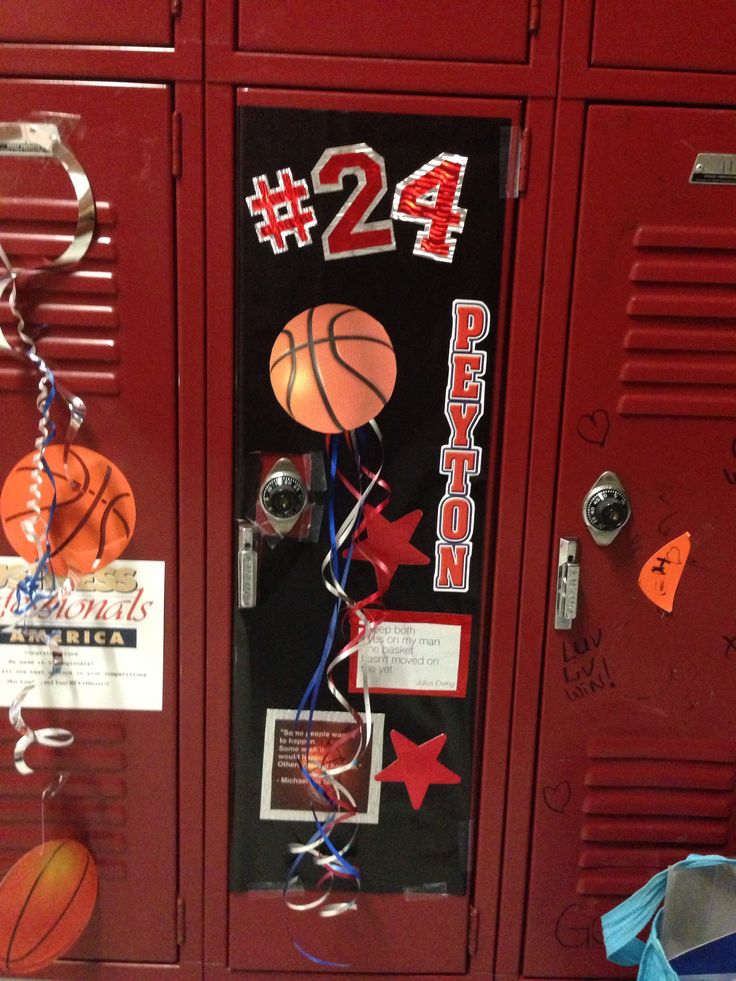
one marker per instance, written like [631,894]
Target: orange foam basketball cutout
[95,510]
[46,900]
[333,368]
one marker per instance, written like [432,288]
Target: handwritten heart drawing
[673,556]
[594,427]
[557,797]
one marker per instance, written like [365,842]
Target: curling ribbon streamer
[31,589]
[43,139]
[322,778]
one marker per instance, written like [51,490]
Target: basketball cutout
[46,900]
[95,510]
[333,368]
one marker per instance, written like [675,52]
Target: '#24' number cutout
[350,233]
[430,197]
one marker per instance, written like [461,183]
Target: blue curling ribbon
[325,854]
[29,591]
[318,960]
[313,689]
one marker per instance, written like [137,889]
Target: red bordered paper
[414,653]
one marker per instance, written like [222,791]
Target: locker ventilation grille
[80,306]
[680,353]
[650,802]
[91,806]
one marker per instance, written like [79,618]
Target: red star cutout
[386,544]
[417,766]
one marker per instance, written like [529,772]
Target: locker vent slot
[680,353]
[648,803]
[79,307]
[91,807]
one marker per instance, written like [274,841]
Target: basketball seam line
[353,371]
[292,376]
[27,901]
[325,340]
[105,518]
[317,373]
[85,518]
[58,918]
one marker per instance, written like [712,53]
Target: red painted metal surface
[640,80]
[75,39]
[320,52]
[87,22]
[670,34]
[534,597]
[512,516]
[191,516]
[479,31]
[123,142]
[634,766]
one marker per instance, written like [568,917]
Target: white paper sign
[417,653]
[112,638]
[285,792]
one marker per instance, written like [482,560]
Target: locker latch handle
[568,579]
[247,565]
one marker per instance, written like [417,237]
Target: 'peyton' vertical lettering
[460,459]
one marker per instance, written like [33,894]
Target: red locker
[391,932]
[112,338]
[634,765]
[448,934]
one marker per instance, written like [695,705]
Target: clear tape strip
[510,162]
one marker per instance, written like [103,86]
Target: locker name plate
[714,168]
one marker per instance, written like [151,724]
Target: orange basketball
[46,900]
[95,510]
[333,368]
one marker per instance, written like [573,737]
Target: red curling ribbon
[324,774]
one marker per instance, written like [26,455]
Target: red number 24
[350,233]
[429,197]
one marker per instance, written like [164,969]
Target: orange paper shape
[661,574]
[46,900]
[333,368]
[95,510]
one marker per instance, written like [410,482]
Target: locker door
[665,34]
[636,762]
[85,22]
[477,31]
[413,910]
[111,339]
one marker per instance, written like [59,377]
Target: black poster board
[278,642]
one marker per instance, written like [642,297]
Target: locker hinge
[473,931]
[176,144]
[525,145]
[180,920]
[176,8]
[535,10]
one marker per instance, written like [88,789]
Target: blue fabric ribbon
[624,922]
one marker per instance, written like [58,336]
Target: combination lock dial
[283,496]
[606,508]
